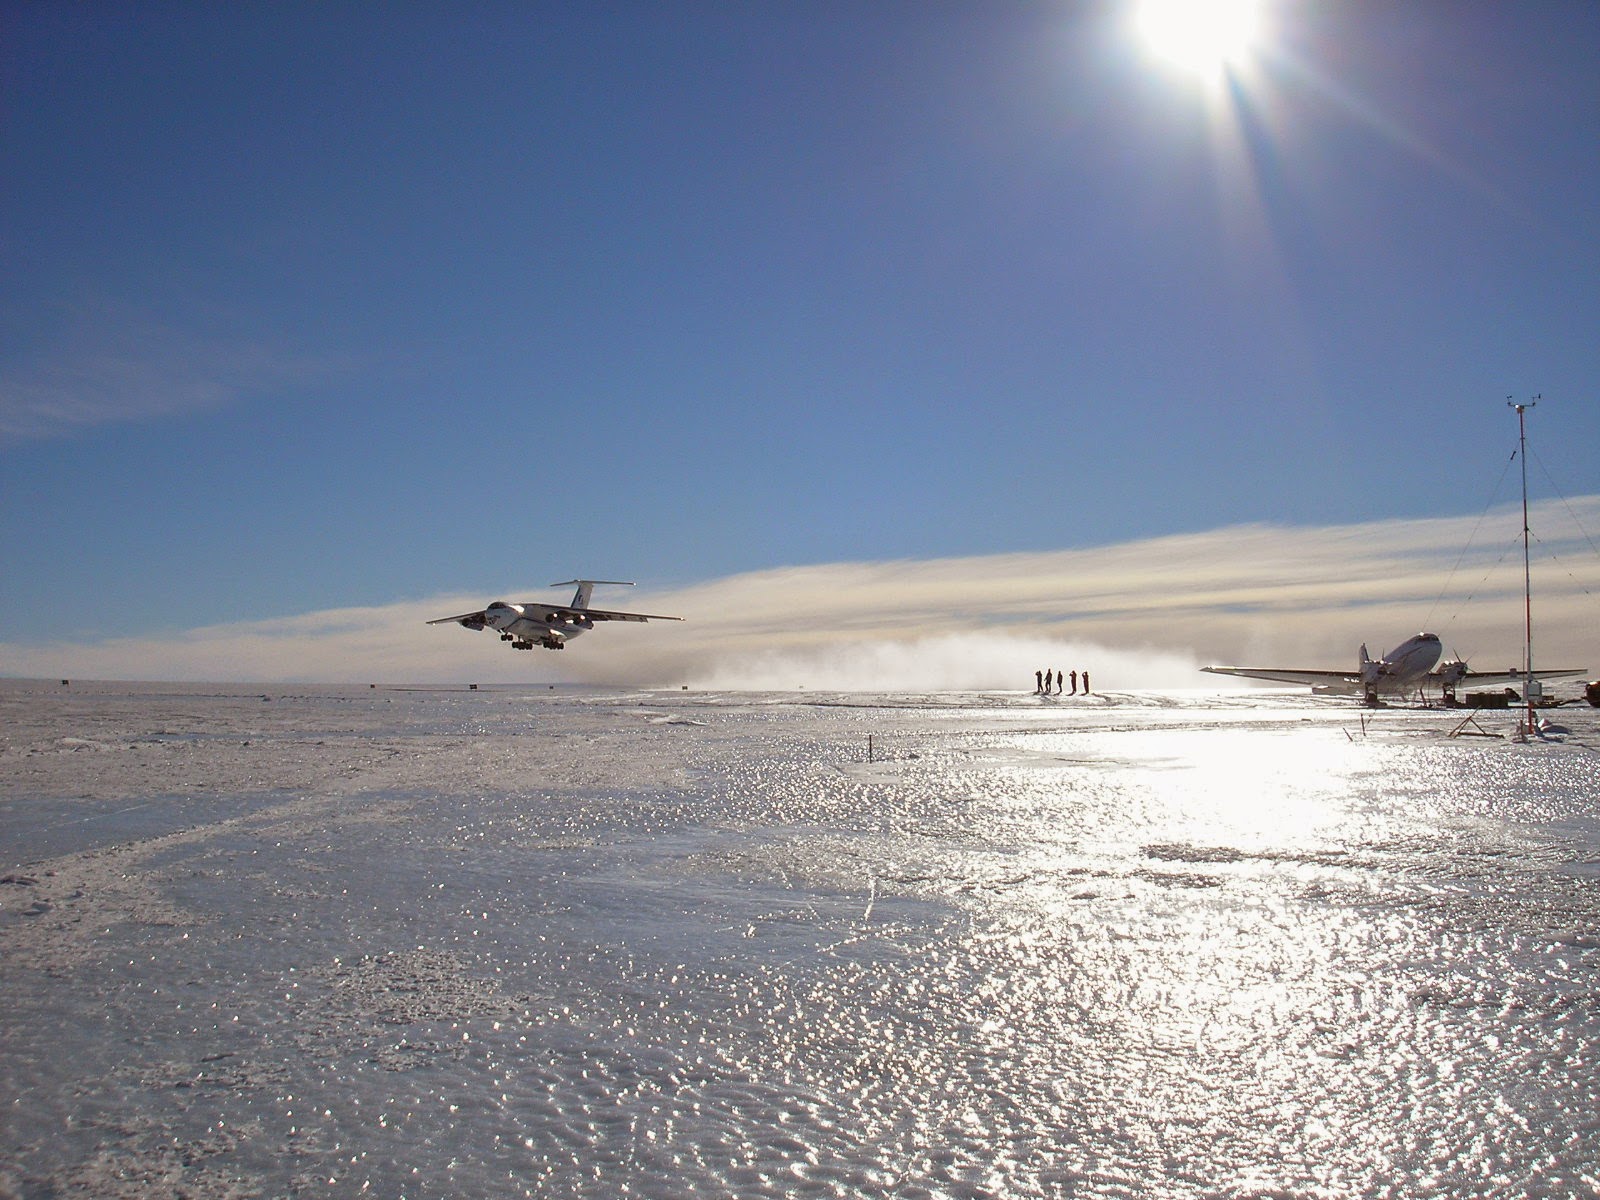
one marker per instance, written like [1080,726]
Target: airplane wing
[1512,676]
[1291,675]
[1351,679]
[473,620]
[549,612]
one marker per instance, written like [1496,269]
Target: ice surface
[557,943]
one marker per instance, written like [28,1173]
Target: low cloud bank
[1136,615]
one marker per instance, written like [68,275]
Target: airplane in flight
[549,625]
[1403,671]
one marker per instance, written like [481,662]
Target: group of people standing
[1044,681]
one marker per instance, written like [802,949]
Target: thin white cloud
[109,364]
[1139,614]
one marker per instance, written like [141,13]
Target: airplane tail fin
[1371,672]
[586,588]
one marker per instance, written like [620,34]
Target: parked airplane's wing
[1288,675]
[1512,676]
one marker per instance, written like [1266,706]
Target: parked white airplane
[549,625]
[1405,669]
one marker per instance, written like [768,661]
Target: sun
[1207,37]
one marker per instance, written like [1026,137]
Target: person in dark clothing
[1049,680]
[1086,683]
[1074,683]
[1038,682]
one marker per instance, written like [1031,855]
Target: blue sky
[310,308]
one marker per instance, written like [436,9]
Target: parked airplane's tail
[586,588]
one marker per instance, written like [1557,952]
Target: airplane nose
[500,614]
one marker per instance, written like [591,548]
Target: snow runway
[671,944]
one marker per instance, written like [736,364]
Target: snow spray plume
[953,662]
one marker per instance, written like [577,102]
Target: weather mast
[1530,686]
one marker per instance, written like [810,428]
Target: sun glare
[1207,37]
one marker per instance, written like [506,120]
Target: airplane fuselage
[1396,674]
[524,630]
[1402,670]
[1405,670]
[1399,672]
[1407,664]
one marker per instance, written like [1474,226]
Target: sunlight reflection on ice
[1139,949]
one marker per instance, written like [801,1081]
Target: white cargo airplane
[1405,669]
[549,625]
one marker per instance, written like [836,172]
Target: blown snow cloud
[1139,614]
